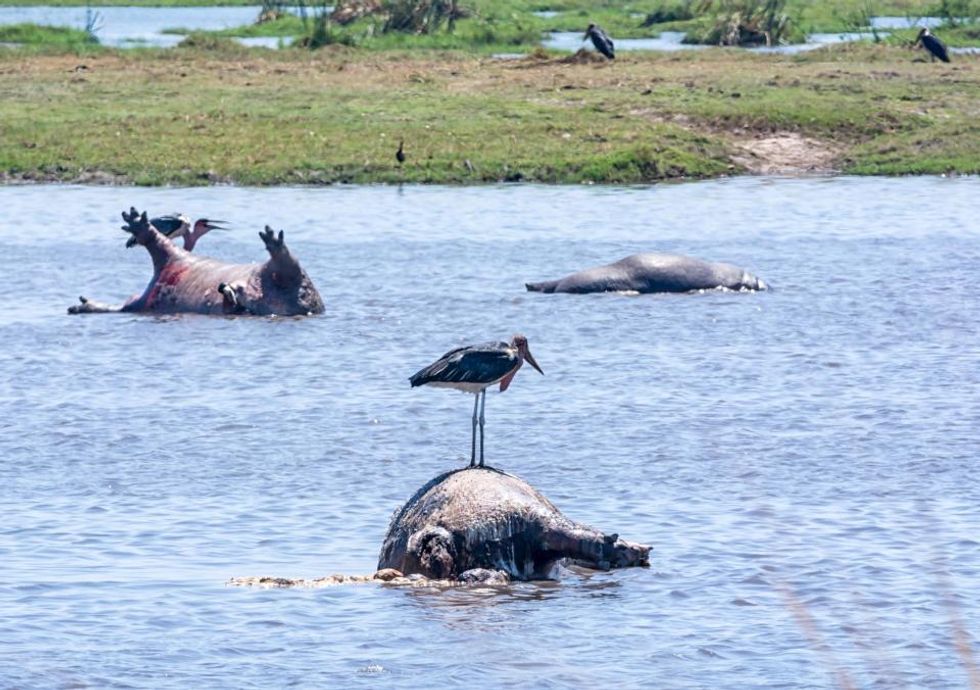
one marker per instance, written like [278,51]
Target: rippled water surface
[803,461]
[126,27]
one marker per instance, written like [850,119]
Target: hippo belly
[184,282]
[652,273]
[482,519]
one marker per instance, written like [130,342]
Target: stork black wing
[472,364]
[167,224]
[600,39]
[936,47]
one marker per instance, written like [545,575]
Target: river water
[803,461]
[128,27]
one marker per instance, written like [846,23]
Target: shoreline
[194,117]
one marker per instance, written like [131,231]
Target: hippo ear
[611,538]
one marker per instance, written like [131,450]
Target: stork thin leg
[476,401]
[483,404]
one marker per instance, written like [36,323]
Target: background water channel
[129,27]
[803,461]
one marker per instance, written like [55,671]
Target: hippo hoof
[87,306]
[273,244]
[80,307]
[483,576]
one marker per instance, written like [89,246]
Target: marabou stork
[600,39]
[178,225]
[475,368]
[936,48]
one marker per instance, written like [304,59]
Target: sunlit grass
[220,112]
[37,35]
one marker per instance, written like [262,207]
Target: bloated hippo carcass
[653,272]
[185,282]
[467,523]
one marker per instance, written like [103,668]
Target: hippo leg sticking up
[185,282]
[474,523]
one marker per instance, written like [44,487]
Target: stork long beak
[214,224]
[530,359]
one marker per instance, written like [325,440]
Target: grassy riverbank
[50,36]
[191,116]
[621,19]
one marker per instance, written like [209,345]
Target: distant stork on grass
[475,368]
[600,39]
[936,48]
[400,153]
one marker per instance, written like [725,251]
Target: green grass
[287,26]
[960,36]
[510,26]
[53,36]
[496,26]
[480,35]
[293,130]
[214,112]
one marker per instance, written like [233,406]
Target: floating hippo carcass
[185,282]
[472,524]
[653,272]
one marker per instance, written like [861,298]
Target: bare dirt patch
[765,153]
[785,153]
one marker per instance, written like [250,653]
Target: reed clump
[745,23]
[420,16]
[670,11]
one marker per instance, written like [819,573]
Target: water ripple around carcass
[802,461]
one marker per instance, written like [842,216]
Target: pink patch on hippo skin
[505,381]
[171,274]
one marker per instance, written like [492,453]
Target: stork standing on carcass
[475,368]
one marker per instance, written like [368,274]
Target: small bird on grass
[400,153]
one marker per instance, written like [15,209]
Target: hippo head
[619,553]
[751,282]
[434,553]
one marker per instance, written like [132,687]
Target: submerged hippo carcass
[185,282]
[653,272]
[465,523]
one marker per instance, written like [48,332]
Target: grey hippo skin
[653,272]
[185,282]
[466,524]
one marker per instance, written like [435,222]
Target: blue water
[667,41]
[803,461]
[127,27]
[673,40]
